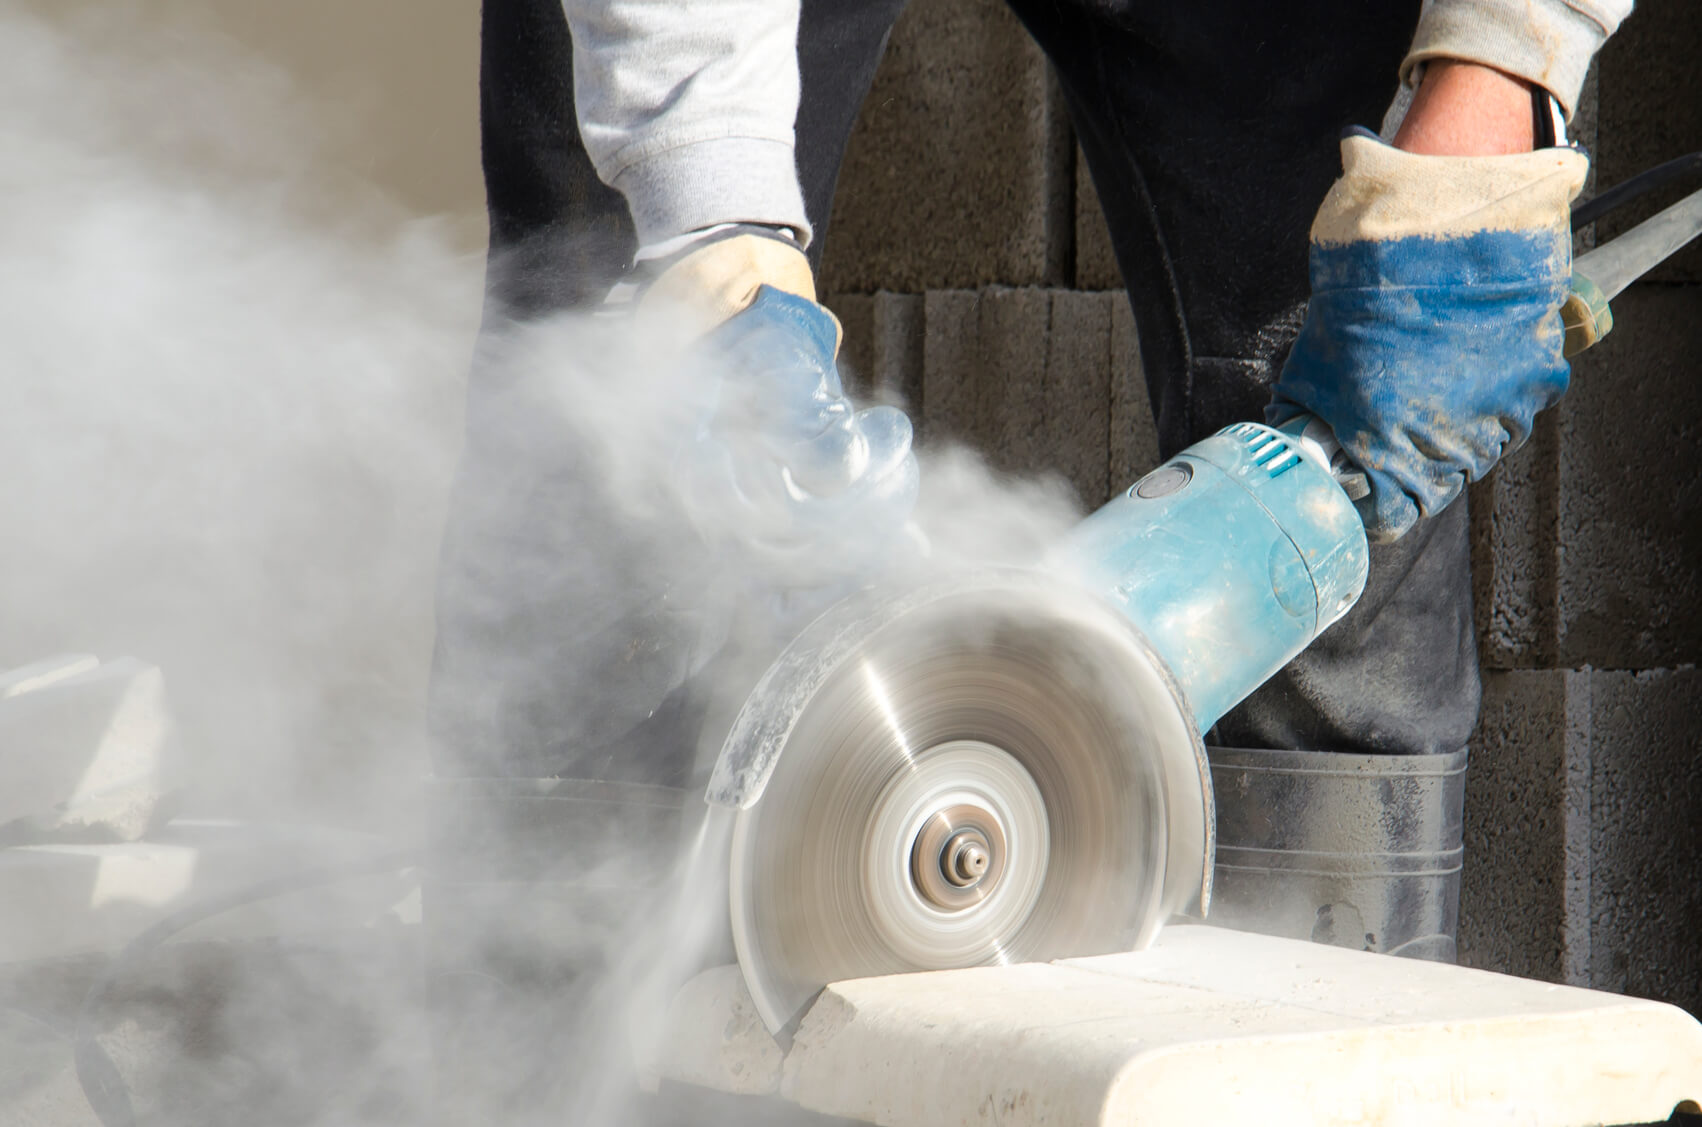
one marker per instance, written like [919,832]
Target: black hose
[1639,185]
[102,1084]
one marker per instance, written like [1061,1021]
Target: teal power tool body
[1008,765]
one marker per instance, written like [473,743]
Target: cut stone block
[959,170]
[1589,539]
[1216,1026]
[1650,112]
[1582,802]
[714,1038]
[92,750]
[73,899]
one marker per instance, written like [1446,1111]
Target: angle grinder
[1007,766]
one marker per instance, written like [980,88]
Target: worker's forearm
[687,109]
[1466,110]
[1548,43]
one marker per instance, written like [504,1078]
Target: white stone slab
[72,899]
[86,747]
[1217,1027]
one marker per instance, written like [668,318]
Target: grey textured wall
[983,295]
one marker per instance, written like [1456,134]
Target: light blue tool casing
[1230,558]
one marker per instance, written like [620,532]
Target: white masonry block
[1213,1026]
[85,747]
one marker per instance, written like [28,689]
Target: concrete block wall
[951,258]
[960,169]
[1584,811]
[969,262]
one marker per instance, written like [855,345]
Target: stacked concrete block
[1039,380]
[960,169]
[1651,112]
[882,353]
[1582,848]
[86,748]
[1585,791]
[1096,262]
[1590,538]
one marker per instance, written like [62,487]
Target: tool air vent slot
[1270,453]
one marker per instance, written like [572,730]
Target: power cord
[1638,186]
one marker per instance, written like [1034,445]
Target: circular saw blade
[980,780]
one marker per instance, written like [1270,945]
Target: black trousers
[1211,132]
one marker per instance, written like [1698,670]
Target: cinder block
[1651,112]
[1628,591]
[1646,835]
[983,356]
[1582,803]
[1024,376]
[1524,887]
[1589,540]
[1134,435]
[1096,262]
[1040,380]
[959,170]
[880,359]
[1515,555]
[899,341]
[1075,410]
[856,343]
[95,751]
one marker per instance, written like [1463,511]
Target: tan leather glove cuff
[720,280]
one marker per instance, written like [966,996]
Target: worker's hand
[1433,336]
[782,463]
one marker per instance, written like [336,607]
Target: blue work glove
[1433,336]
[808,491]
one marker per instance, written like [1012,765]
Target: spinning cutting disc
[980,779]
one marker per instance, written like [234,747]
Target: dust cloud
[233,416]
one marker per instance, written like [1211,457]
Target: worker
[1404,288]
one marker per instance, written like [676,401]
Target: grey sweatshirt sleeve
[1545,42]
[686,107]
